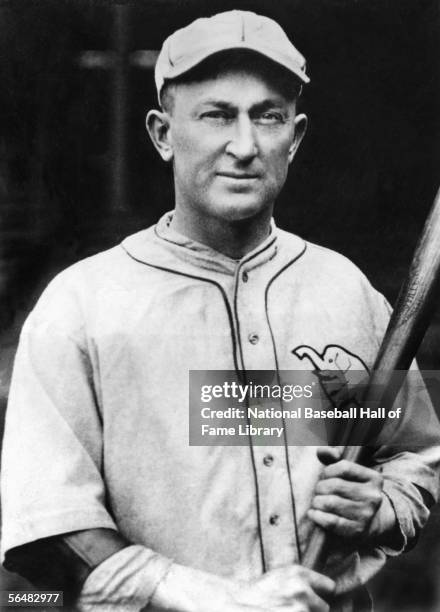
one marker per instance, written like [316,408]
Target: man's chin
[241,209]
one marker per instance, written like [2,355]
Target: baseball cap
[189,46]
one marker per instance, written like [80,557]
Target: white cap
[204,37]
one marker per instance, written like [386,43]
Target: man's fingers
[316,603]
[354,491]
[322,585]
[341,507]
[338,486]
[296,574]
[334,523]
[350,471]
[346,498]
[318,591]
[291,587]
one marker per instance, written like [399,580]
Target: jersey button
[274,519]
[245,276]
[268,460]
[253,338]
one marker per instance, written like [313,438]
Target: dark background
[77,172]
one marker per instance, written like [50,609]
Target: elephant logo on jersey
[342,374]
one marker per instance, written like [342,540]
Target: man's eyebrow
[218,103]
[260,106]
[268,104]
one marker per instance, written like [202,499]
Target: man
[100,486]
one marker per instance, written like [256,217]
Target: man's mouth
[238,175]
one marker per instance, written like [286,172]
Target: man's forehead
[233,87]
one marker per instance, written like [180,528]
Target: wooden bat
[412,313]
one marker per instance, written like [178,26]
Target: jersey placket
[276,509]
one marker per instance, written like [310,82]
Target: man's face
[231,140]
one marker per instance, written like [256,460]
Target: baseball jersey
[97,422]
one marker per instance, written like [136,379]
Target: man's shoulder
[89,281]
[321,258]
[329,273]
[323,276]
[90,270]
[112,263]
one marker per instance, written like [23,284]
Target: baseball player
[102,495]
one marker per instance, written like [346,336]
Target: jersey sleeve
[408,456]
[408,450]
[52,452]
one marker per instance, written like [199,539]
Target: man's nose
[243,143]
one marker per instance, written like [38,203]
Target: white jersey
[97,424]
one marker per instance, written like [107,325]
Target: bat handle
[313,557]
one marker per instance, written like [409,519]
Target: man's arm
[64,562]
[386,505]
[98,566]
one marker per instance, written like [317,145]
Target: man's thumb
[329,454]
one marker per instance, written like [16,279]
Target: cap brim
[183,67]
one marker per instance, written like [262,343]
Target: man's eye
[217,114]
[270,117]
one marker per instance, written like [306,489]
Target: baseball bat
[410,319]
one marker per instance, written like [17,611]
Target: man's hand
[287,589]
[290,588]
[349,501]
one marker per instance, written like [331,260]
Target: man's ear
[158,128]
[300,129]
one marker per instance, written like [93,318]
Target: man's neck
[234,239]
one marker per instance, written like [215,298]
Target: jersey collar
[161,245]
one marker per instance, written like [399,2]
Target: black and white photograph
[220,305]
